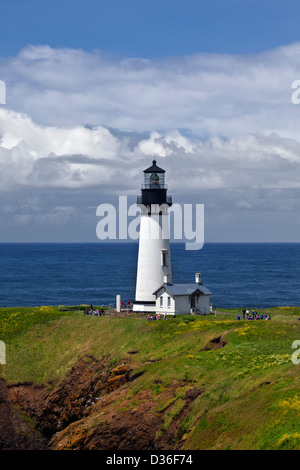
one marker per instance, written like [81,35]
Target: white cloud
[209,94]
[77,121]
[42,140]
[153,146]
[32,155]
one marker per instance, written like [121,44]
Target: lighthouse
[154,258]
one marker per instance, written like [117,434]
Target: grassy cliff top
[250,393]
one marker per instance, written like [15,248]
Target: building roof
[184,289]
[154,168]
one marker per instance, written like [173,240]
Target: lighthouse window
[169,302]
[154,178]
[164,258]
[161,301]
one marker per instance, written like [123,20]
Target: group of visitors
[254,315]
[93,311]
[156,317]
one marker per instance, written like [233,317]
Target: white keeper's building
[183,299]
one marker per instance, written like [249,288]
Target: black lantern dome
[154,168]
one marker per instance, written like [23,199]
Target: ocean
[253,275]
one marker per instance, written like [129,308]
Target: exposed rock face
[90,410]
[15,432]
[215,343]
[72,399]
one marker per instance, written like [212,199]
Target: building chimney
[166,276]
[198,278]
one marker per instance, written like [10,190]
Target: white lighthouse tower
[154,260]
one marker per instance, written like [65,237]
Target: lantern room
[154,189]
[154,177]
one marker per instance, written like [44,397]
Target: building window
[161,301]
[154,179]
[164,258]
[169,302]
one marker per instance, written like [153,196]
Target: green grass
[251,387]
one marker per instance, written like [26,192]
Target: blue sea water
[239,275]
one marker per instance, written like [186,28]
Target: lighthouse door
[193,301]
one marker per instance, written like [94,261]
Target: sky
[95,90]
